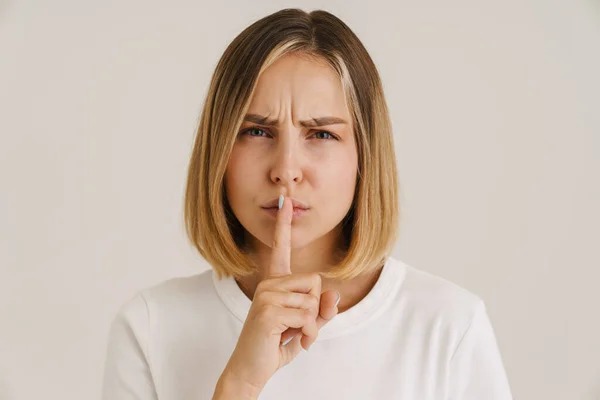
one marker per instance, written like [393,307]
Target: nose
[286,169]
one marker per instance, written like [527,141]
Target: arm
[228,387]
[476,369]
[127,374]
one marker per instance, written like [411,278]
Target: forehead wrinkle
[312,122]
[275,86]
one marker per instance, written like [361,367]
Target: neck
[318,256]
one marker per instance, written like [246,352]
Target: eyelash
[245,131]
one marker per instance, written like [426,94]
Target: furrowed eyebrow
[310,123]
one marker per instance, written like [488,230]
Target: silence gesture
[286,314]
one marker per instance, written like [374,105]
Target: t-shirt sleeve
[476,369]
[127,374]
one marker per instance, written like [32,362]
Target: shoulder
[180,289]
[432,298]
[171,298]
[437,291]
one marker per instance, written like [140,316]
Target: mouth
[297,204]
[298,211]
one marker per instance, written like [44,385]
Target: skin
[316,165]
[286,305]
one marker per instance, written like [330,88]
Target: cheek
[241,167]
[341,166]
[242,179]
[336,179]
[234,176]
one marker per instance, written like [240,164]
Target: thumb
[328,306]
[327,311]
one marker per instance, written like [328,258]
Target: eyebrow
[310,123]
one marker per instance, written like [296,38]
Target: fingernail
[280,201]
[287,341]
[338,300]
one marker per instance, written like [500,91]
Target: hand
[282,303]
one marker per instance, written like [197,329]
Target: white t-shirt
[414,336]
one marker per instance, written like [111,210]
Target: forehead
[301,84]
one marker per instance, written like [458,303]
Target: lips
[277,208]
[298,205]
[297,213]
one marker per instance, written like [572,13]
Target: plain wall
[496,114]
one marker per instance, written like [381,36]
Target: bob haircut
[370,228]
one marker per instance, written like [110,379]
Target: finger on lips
[280,258]
[309,284]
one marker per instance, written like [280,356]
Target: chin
[300,242]
[299,239]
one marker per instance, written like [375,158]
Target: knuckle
[313,302]
[261,286]
[262,297]
[275,241]
[308,317]
[264,285]
[315,278]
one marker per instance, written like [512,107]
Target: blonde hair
[371,225]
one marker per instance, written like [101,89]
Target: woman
[292,198]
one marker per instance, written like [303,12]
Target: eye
[250,132]
[258,132]
[328,135]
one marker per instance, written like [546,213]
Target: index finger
[281,250]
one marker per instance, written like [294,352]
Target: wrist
[231,387]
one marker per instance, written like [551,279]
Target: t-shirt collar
[370,307]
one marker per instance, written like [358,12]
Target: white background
[496,113]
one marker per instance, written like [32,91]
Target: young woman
[292,198]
